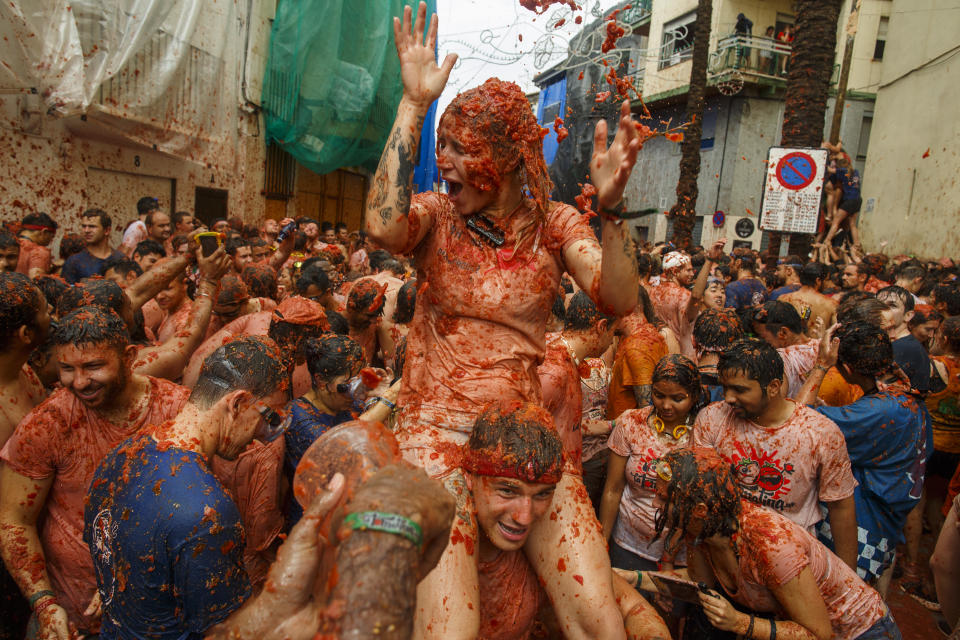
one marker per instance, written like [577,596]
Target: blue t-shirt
[889,439]
[167,543]
[785,289]
[909,353]
[745,293]
[83,265]
[849,183]
[308,424]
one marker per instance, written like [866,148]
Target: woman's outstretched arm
[388,205]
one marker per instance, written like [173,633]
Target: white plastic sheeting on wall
[160,72]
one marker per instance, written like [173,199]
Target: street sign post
[791,194]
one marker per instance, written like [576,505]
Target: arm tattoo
[385,214]
[641,393]
[407,161]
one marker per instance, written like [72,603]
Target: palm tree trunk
[684,211]
[808,86]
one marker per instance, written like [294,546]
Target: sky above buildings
[499,38]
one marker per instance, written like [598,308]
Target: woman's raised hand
[423,80]
[610,167]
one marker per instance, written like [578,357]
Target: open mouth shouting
[512,534]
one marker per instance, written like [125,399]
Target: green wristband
[639,578]
[387,523]
[40,594]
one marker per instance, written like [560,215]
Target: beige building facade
[910,189]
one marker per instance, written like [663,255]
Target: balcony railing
[755,57]
[638,12]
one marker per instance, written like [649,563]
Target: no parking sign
[791,195]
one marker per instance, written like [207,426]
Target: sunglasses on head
[272,424]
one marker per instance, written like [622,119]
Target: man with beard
[51,458]
[808,296]
[166,538]
[786,455]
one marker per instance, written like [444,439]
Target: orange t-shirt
[670,301]
[944,408]
[837,392]
[637,355]
[64,439]
[478,333]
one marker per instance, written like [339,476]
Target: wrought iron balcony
[753,58]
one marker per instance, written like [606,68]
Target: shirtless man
[809,298]
[36,233]
[51,458]
[512,465]
[788,272]
[25,320]
[365,308]
[386,332]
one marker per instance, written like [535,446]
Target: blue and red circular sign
[718,219]
[796,170]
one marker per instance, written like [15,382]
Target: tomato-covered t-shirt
[167,543]
[560,384]
[670,301]
[477,334]
[889,439]
[773,551]
[790,468]
[64,439]
[635,440]
[798,360]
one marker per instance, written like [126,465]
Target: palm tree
[684,211]
[808,85]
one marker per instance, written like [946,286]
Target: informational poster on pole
[791,195]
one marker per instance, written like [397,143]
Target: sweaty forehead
[521,486]
[87,352]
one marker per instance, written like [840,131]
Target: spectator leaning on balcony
[765,63]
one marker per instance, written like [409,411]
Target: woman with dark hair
[335,363]
[639,437]
[759,558]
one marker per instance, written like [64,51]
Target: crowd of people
[471,418]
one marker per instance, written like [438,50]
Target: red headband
[37,227]
[495,463]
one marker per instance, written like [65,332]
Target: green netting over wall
[332,84]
